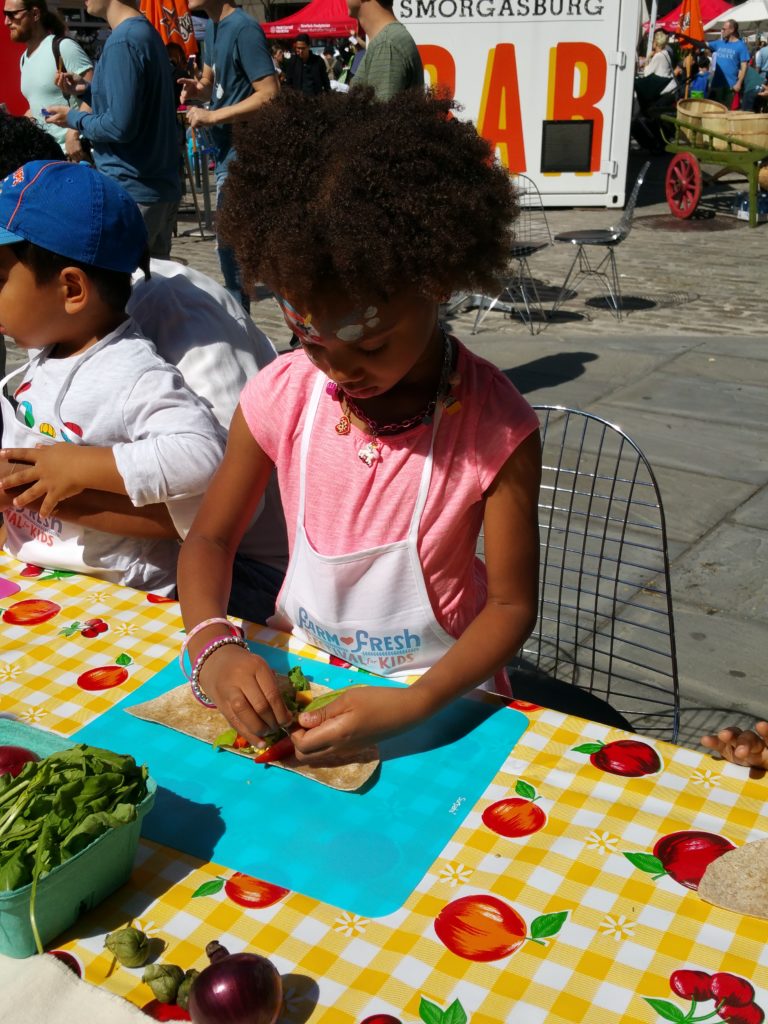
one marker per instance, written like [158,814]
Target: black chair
[606,239]
[532,235]
[604,643]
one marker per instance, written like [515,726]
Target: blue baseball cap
[72,210]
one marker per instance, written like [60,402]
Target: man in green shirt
[392,62]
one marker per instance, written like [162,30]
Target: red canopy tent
[321,19]
[10,94]
[709,9]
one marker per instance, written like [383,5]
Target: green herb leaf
[525,790]
[666,1010]
[430,1013]
[646,862]
[298,680]
[455,1014]
[548,924]
[209,888]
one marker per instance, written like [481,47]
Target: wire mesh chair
[532,235]
[605,607]
[604,238]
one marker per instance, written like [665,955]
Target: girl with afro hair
[394,444]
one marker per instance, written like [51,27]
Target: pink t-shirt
[350,506]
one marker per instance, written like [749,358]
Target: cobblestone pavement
[685,372]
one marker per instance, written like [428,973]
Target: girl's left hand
[361,716]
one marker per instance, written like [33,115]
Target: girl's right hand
[244,688]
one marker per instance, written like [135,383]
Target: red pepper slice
[277,752]
[240,742]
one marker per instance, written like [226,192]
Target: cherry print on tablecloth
[732,995]
[164,1011]
[516,816]
[627,758]
[684,856]
[88,629]
[429,1012]
[485,928]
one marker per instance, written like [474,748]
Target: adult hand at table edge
[741,746]
[359,717]
[245,690]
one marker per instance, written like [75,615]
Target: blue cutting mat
[364,852]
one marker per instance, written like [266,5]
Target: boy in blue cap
[103,433]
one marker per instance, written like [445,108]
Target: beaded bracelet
[197,691]
[236,631]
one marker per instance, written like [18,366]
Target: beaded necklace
[370,452]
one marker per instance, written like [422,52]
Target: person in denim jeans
[238,76]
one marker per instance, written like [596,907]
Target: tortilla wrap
[179,710]
[739,880]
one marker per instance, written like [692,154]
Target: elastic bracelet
[236,631]
[197,691]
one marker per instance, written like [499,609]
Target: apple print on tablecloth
[245,890]
[37,572]
[684,856]
[160,599]
[105,677]
[32,611]
[524,705]
[628,758]
[516,816]
[485,928]
[732,995]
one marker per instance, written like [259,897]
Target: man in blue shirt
[238,76]
[132,126]
[731,60]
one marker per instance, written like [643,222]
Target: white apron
[369,607]
[32,538]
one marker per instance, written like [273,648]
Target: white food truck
[548,82]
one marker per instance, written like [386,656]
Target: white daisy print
[454,873]
[350,924]
[705,777]
[619,927]
[603,842]
[8,671]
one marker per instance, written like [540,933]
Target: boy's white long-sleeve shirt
[166,442]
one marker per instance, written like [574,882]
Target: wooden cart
[693,146]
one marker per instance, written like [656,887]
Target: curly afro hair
[22,140]
[341,194]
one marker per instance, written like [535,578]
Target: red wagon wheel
[683,185]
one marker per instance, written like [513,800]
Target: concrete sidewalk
[685,373]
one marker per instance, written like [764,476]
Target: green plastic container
[78,884]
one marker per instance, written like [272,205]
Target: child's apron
[369,607]
[33,538]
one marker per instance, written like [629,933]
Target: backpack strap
[56,48]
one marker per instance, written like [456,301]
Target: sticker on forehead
[355,331]
[300,325]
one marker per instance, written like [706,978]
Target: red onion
[13,759]
[238,988]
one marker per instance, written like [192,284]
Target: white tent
[750,16]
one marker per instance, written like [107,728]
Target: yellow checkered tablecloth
[553,923]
